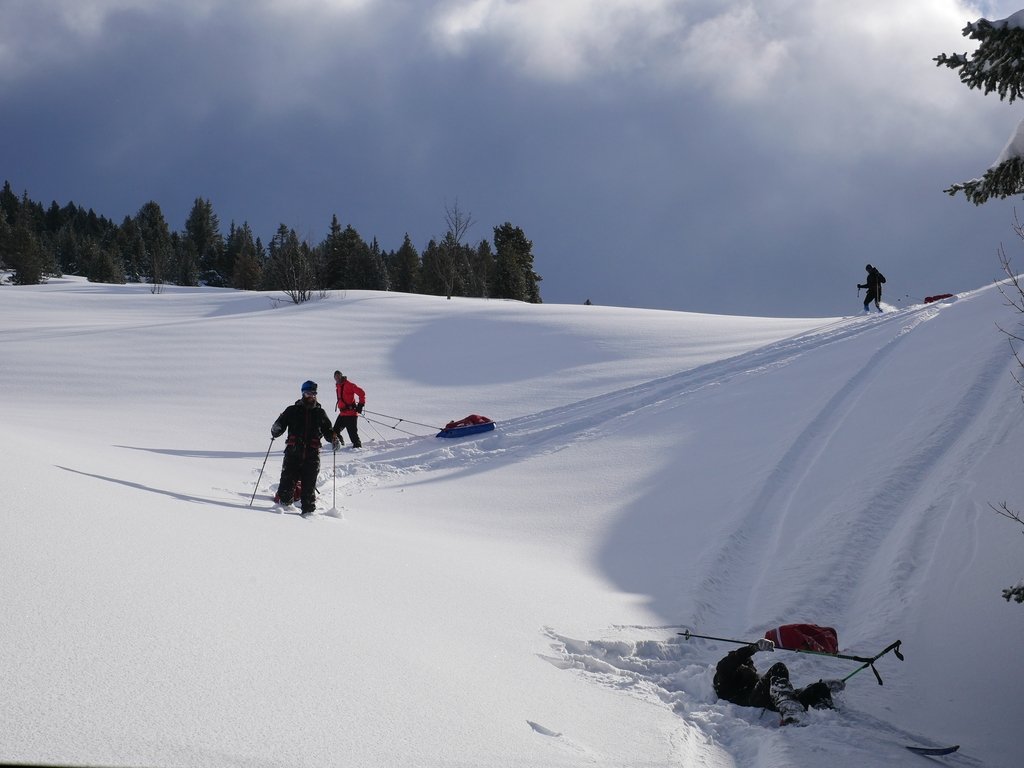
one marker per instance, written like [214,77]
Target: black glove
[359,407]
[276,430]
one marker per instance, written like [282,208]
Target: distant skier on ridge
[874,286]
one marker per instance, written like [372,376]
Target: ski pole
[261,471]
[335,473]
[868,661]
[688,634]
[894,647]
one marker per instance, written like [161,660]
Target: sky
[730,157]
[512,598]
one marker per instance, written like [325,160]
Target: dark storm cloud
[686,155]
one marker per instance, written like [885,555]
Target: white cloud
[822,76]
[734,54]
[558,41]
[862,77]
[827,73]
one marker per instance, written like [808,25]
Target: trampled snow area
[511,598]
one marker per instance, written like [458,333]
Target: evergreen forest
[37,242]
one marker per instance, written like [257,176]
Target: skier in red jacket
[351,399]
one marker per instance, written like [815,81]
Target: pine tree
[9,205]
[430,281]
[483,270]
[132,248]
[996,65]
[346,261]
[377,277]
[156,238]
[514,277]
[23,254]
[104,266]
[206,244]
[25,247]
[247,258]
[334,263]
[362,269]
[185,256]
[404,267]
[449,265]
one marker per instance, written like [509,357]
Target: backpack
[804,637]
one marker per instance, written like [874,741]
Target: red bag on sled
[804,637]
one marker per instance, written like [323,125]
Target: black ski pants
[300,463]
[351,425]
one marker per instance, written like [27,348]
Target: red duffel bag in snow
[804,637]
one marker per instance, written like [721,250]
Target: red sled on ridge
[467,426]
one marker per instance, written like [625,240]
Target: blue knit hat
[309,386]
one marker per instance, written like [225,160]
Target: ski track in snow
[549,431]
[896,491]
[746,553]
[741,559]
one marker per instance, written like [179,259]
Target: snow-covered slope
[512,598]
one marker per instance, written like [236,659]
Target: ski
[934,750]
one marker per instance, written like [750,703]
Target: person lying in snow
[737,680]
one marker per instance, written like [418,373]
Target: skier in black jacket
[874,286]
[305,421]
[737,680]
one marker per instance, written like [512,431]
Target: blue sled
[467,429]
